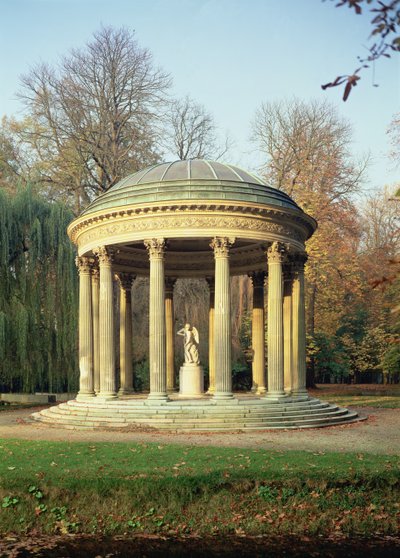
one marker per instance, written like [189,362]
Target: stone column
[106,325]
[157,350]
[222,319]
[211,331]
[96,345]
[299,327]
[170,336]
[275,320]
[258,333]
[85,330]
[287,331]
[125,334]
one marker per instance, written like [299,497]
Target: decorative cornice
[221,246]
[293,220]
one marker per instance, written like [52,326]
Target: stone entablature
[254,224]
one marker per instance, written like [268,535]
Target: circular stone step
[205,414]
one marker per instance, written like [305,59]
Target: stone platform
[201,414]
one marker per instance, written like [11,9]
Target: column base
[301,394]
[158,397]
[107,396]
[220,395]
[125,392]
[276,395]
[84,396]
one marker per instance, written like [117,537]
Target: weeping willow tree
[38,296]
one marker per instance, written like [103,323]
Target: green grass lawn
[365,395]
[377,401]
[157,488]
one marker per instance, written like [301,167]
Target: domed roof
[192,179]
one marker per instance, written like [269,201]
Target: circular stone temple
[209,220]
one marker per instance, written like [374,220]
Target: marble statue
[190,343]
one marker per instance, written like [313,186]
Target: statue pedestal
[191,380]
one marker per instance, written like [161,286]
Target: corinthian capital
[155,247]
[221,246]
[276,252]
[83,264]
[298,261]
[257,278]
[126,280]
[104,254]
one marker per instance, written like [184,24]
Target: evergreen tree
[38,296]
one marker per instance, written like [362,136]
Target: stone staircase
[188,415]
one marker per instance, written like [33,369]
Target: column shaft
[85,330]
[211,337]
[287,334]
[125,335]
[106,326]
[157,349]
[258,333]
[275,321]
[299,328]
[170,338]
[96,345]
[222,319]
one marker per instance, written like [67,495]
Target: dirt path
[378,434]
[83,546]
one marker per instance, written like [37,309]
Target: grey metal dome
[192,179]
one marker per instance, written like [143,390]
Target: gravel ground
[378,434]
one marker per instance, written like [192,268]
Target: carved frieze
[181,221]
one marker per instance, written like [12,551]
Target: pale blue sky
[230,55]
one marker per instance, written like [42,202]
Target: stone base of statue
[191,380]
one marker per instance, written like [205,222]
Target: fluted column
[85,329]
[287,332]
[125,334]
[106,325]
[170,338]
[211,331]
[258,333]
[222,319]
[299,327]
[157,350]
[96,345]
[275,320]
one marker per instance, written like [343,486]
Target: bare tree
[96,113]
[192,133]
[307,148]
